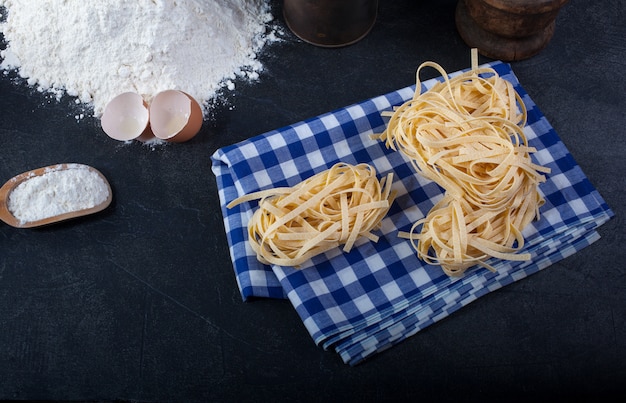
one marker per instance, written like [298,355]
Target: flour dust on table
[94,51]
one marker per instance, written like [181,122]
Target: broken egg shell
[175,116]
[127,117]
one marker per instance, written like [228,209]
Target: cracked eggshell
[126,117]
[175,116]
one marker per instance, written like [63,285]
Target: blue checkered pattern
[365,301]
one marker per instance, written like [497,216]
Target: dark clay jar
[330,23]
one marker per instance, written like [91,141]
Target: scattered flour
[95,50]
[57,192]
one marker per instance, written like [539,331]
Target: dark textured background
[140,302]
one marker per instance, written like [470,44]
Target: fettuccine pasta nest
[333,208]
[466,134]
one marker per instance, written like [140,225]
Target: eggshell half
[175,116]
[126,117]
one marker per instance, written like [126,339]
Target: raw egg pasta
[333,208]
[466,134]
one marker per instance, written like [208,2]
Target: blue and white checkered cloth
[365,301]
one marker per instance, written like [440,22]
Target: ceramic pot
[330,23]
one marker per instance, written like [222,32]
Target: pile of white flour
[95,50]
[57,192]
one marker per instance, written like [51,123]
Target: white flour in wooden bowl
[57,191]
[95,50]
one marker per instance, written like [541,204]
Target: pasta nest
[332,208]
[466,134]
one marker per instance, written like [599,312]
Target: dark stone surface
[140,303]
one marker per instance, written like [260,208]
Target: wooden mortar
[507,30]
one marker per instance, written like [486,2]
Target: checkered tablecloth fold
[365,301]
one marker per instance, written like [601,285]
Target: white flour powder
[95,50]
[57,192]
